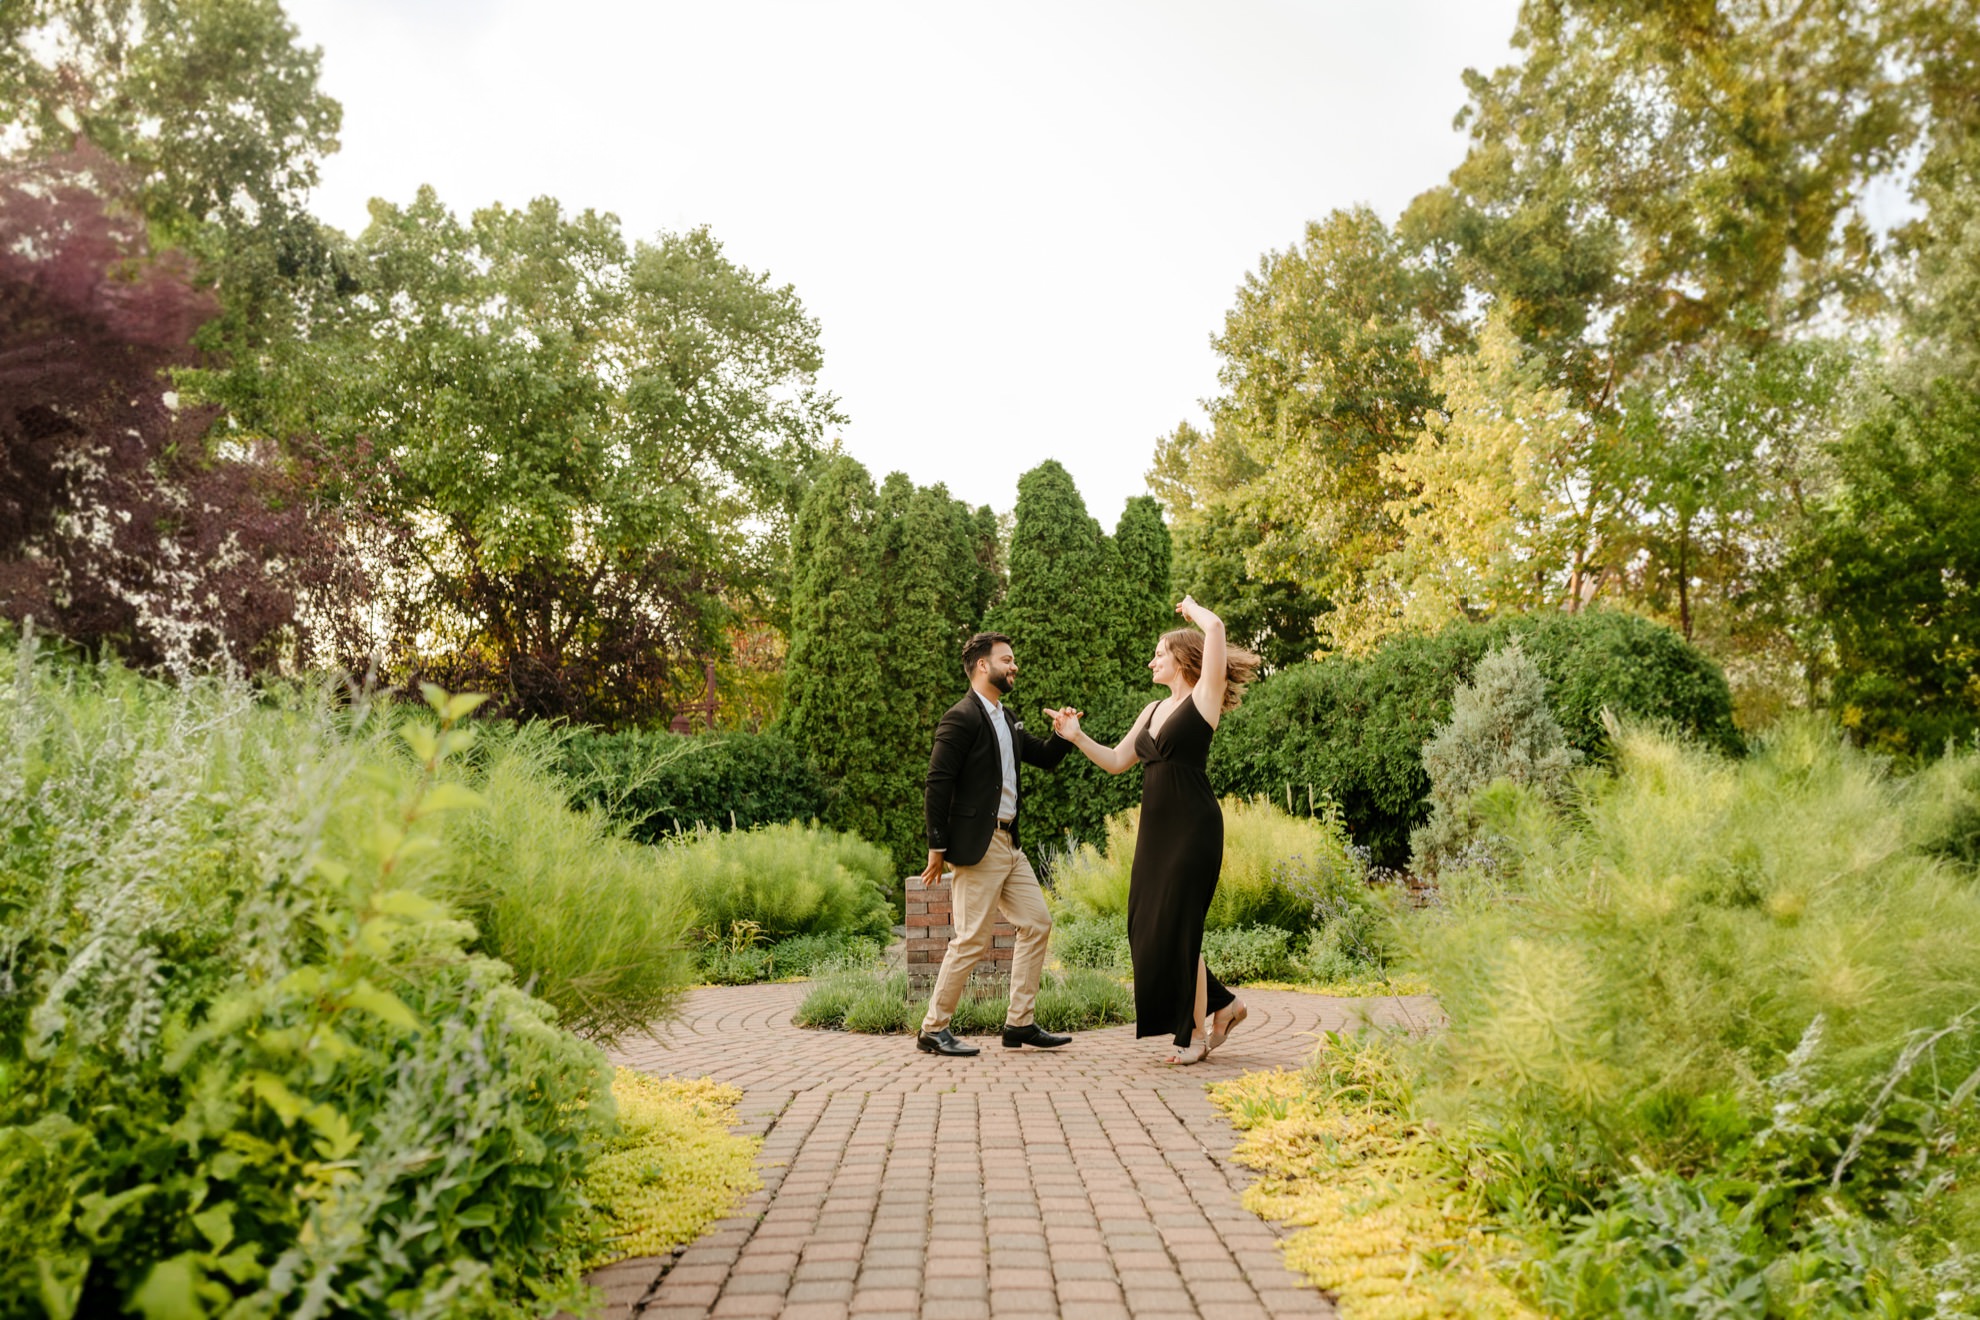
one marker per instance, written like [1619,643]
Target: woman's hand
[1190,609]
[1065,722]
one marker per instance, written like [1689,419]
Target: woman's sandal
[1238,1014]
[1195,1052]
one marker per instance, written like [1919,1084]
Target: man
[972,804]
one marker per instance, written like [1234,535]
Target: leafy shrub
[1669,1246]
[815,955]
[1344,948]
[246,1059]
[1500,729]
[786,880]
[1352,731]
[1097,943]
[1749,968]
[735,956]
[1074,1000]
[1247,953]
[595,924]
[742,956]
[1271,860]
[659,784]
[673,1168]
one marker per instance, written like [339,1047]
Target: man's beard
[1002,682]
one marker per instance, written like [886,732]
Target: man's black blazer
[966,777]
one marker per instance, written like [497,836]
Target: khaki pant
[1003,879]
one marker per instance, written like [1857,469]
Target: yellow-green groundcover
[675,1167]
[1376,1223]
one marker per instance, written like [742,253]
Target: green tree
[837,707]
[1514,498]
[575,436]
[1216,531]
[1649,174]
[1500,728]
[1063,612]
[1146,603]
[932,596]
[1895,559]
[212,105]
[1084,611]
[1327,369]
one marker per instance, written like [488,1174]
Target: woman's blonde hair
[1240,666]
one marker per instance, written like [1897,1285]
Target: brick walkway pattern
[1091,1181]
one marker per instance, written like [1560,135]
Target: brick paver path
[1091,1181]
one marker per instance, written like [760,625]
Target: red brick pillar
[930,927]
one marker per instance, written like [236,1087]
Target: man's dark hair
[977,647]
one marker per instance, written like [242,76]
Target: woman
[1180,849]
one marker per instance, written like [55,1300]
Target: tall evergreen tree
[932,593]
[1146,605]
[1062,611]
[835,683]
[885,589]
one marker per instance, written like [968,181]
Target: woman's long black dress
[1177,857]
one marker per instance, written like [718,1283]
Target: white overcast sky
[1017,224]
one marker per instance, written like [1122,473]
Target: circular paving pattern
[1089,1181]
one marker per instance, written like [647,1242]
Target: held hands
[1065,722]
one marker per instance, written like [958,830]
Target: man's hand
[934,869]
[1065,722]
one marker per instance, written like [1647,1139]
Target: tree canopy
[579,434]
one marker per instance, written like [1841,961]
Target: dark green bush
[659,784]
[1353,730]
[1248,953]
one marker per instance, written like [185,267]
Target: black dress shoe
[941,1042]
[1033,1035]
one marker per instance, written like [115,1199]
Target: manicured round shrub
[1352,730]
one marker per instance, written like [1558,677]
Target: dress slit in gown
[1178,855]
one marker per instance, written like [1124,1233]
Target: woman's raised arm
[1212,683]
[1114,760]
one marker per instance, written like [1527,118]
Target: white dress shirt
[1007,802]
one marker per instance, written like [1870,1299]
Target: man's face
[1001,667]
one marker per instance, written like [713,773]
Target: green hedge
[658,784]
[1353,730]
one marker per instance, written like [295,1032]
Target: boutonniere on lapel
[1018,725]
